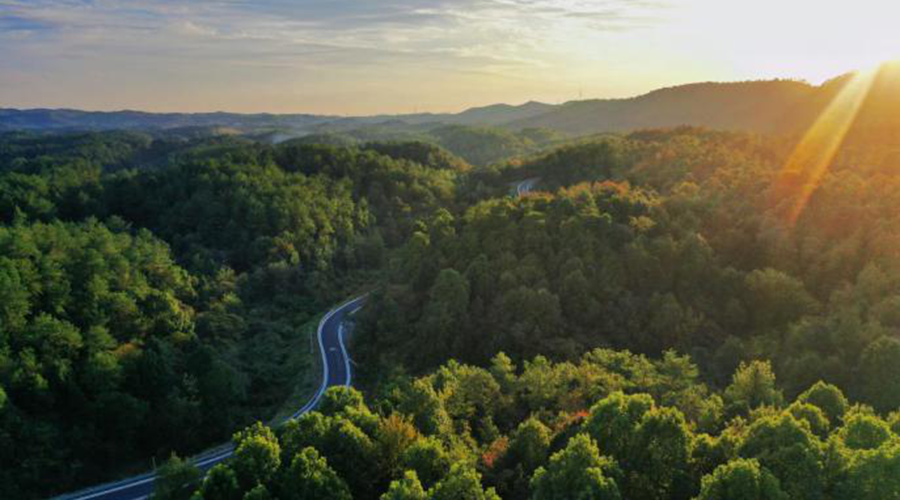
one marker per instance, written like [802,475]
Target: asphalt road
[335,372]
[526,186]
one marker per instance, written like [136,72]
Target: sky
[361,57]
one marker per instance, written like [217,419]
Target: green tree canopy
[406,488]
[257,456]
[461,483]
[578,471]
[864,432]
[310,478]
[828,398]
[753,385]
[221,483]
[789,450]
[176,479]
[741,479]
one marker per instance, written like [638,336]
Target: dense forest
[607,425]
[146,284]
[652,241]
[478,145]
[617,333]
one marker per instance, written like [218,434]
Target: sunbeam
[812,156]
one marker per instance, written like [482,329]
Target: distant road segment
[526,186]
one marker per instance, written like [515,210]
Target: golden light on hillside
[814,153]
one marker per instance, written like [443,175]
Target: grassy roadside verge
[305,360]
[306,363]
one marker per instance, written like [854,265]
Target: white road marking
[218,457]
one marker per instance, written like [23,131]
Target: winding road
[335,372]
[526,186]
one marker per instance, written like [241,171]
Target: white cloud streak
[324,40]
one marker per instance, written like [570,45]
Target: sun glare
[814,153]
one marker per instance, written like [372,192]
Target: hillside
[773,106]
[776,106]
[158,294]
[158,289]
[70,119]
[499,114]
[757,106]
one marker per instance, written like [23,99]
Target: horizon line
[426,113]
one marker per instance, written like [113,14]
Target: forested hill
[70,119]
[616,334]
[776,106]
[759,106]
[157,294]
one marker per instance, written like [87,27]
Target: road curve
[335,372]
[526,186]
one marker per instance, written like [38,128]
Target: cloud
[11,24]
[322,40]
[400,25]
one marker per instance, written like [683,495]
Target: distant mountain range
[70,119]
[760,106]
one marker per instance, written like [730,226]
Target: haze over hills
[771,106]
[757,106]
[70,119]
[499,114]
